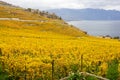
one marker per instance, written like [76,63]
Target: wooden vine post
[52,69]
[0,52]
[81,62]
[1,63]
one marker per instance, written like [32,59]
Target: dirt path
[17,19]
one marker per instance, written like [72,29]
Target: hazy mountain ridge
[87,14]
[2,3]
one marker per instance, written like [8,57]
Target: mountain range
[86,14]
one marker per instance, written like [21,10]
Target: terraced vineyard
[28,52]
[53,50]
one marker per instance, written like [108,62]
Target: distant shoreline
[90,20]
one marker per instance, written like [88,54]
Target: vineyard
[32,51]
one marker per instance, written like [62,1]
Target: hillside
[36,47]
[9,11]
[87,14]
[2,3]
[53,25]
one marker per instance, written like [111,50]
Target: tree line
[44,13]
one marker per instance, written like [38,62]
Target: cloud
[76,4]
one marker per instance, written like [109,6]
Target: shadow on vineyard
[112,72]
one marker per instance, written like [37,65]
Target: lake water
[99,28]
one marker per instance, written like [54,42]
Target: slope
[47,50]
[34,19]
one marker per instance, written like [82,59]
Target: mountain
[87,14]
[2,3]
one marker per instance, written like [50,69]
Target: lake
[99,28]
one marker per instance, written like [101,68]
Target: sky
[72,4]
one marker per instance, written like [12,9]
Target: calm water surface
[98,28]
